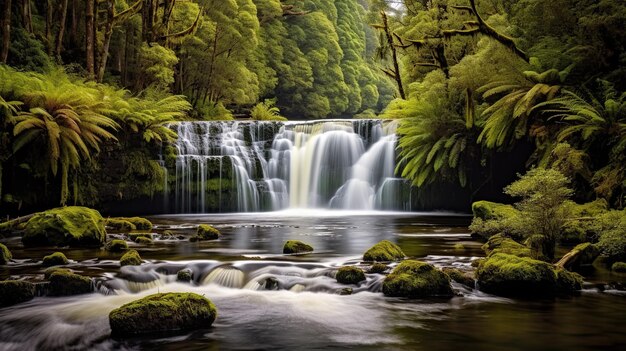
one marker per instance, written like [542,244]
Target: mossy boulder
[460,277]
[350,275]
[378,267]
[296,247]
[207,232]
[73,226]
[509,275]
[65,283]
[143,240]
[116,245]
[502,244]
[184,275]
[55,259]
[163,313]
[130,258]
[416,279]
[135,236]
[384,251]
[140,223]
[48,272]
[487,210]
[5,254]
[619,267]
[13,292]
[120,225]
[568,282]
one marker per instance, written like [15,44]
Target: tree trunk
[108,32]
[59,43]
[394,55]
[49,20]
[74,28]
[6,31]
[90,36]
[147,21]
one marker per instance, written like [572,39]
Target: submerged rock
[55,259]
[296,246]
[345,291]
[5,254]
[116,245]
[384,251]
[508,275]
[65,283]
[65,226]
[184,275]
[207,232]
[159,313]
[15,291]
[416,279]
[130,258]
[460,277]
[350,275]
[378,268]
[120,225]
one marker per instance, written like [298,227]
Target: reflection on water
[271,301]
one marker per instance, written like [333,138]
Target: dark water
[306,311]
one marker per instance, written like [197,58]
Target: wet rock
[163,313]
[502,244]
[55,259]
[460,277]
[48,272]
[345,291]
[619,267]
[296,246]
[135,236]
[378,268]
[184,275]
[139,222]
[65,283]
[350,275]
[5,254]
[416,279]
[13,292]
[508,275]
[384,251]
[207,232]
[143,240]
[116,245]
[73,226]
[130,258]
[120,225]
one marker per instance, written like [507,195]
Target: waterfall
[231,166]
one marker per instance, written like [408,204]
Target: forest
[360,174]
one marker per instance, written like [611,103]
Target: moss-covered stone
[346,291]
[207,232]
[487,210]
[460,277]
[184,275]
[66,226]
[509,275]
[296,247]
[120,225]
[139,222]
[5,254]
[55,259]
[378,267]
[416,279]
[163,313]
[65,283]
[350,275]
[384,251]
[130,258]
[13,292]
[502,244]
[619,267]
[143,240]
[48,272]
[135,236]
[116,245]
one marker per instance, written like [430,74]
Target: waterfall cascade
[230,166]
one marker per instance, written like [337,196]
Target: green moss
[378,268]
[509,275]
[5,254]
[143,240]
[384,251]
[415,279]
[160,313]
[135,236]
[296,246]
[487,210]
[502,244]
[589,209]
[116,245]
[66,226]
[350,275]
[65,283]
[619,267]
[15,291]
[48,272]
[120,225]
[130,258]
[139,222]
[55,259]
[459,277]
[207,232]
[184,275]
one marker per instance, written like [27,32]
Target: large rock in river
[158,313]
[416,279]
[15,291]
[384,251]
[65,226]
